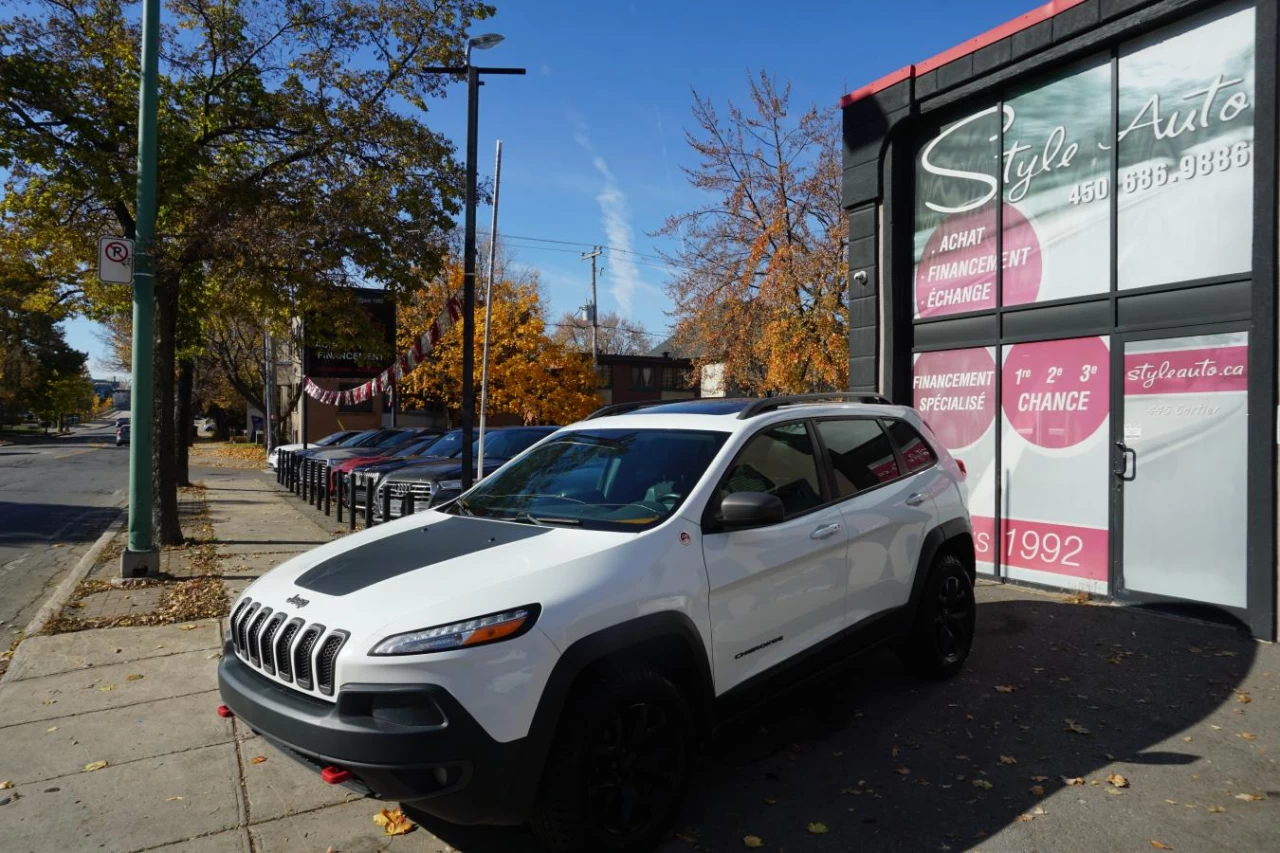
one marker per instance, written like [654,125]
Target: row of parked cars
[422,461]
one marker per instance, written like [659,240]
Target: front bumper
[413,743]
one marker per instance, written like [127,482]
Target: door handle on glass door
[915,499]
[825,530]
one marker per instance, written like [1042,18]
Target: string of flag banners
[406,363]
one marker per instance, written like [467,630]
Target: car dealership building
[1062,250]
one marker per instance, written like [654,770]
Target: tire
[942,630]
[619,767]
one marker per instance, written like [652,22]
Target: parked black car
[438,480]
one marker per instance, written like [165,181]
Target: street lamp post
[473,74]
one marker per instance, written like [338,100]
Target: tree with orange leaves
[763,271]
[531,376]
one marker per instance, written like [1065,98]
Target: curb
[67,588]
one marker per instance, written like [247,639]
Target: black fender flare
[616,641]
[934,541]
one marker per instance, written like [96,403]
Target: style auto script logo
[297,601]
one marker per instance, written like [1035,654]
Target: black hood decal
[413,549]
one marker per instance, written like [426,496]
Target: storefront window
[955,392]
[1056,180]
[1055,458]
[955,217]
[1186,150]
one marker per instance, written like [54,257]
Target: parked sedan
[436,481]
[415,446]
[329,440]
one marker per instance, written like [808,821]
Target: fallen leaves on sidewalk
[50,730]
[817,828]
[983,784]
[393,822]
[171,799]
[1005,688]
[1118,780]
[1008,759]
[752,841]
[1160,845]
[8,783]
[134,677]
[1073,726]
[1247,736]
[1073,780]
[257,759]
[1251,798]
[92,766]
[1243,697]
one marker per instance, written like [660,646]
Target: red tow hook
[225,712]
[335,775]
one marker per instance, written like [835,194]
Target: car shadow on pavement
[869,758]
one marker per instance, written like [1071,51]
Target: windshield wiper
[526,517]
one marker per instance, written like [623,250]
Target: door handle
[826,530]
[1124,470]
[914,499]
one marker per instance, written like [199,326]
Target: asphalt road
[57,496]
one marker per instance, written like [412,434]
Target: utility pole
[270,383]
[140,557]
[488,304]
[472,74]
[595,314]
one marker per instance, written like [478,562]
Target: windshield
[450,444]
[602,479]
[357,439]
[331,439]
[505,444]
[417,447]
[392,437]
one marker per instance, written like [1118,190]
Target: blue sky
[593,136]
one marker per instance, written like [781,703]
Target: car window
[609,479]
[859,453]
[916,452]
[449,444]
[508,443]
[417,447]
[778,461]
[393,437]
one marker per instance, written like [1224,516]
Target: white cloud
[621,269]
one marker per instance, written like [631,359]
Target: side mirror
[750,509]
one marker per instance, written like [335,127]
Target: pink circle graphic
[955,392]
[1055,393]
[957,272]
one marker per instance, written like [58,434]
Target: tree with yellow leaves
[530,375]
[762,286]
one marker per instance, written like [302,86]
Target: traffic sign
[115,260]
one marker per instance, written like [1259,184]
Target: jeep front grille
[302,668]
[267,643]
[289,649]
[325,660]
[283,645]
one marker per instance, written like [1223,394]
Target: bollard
[292,483]
[308,482]
[328,488]
[303,469]
[368,503]
[406,504]
[351,492]
[288,473]
[386,503]
[340,483]
[322,483]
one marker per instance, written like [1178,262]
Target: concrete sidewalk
[1014,755]
[176,777]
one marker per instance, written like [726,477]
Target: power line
[613,328]
[650,257]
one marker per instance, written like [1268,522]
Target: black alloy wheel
[638,758]
[944,623]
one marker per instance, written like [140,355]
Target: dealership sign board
[1037,167]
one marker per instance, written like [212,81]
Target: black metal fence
[336,493]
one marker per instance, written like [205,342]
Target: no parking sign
[115,260]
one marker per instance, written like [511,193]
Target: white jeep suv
[552,645]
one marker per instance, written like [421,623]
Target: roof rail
[769,404]
[623,408]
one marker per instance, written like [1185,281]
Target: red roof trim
[879,85]
[1022,22]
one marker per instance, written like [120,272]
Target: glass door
[1180,465]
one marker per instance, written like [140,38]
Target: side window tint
[779,461]
[860,454]
[916,452]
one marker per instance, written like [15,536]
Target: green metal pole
[141,558]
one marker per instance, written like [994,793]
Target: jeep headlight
[473,632]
